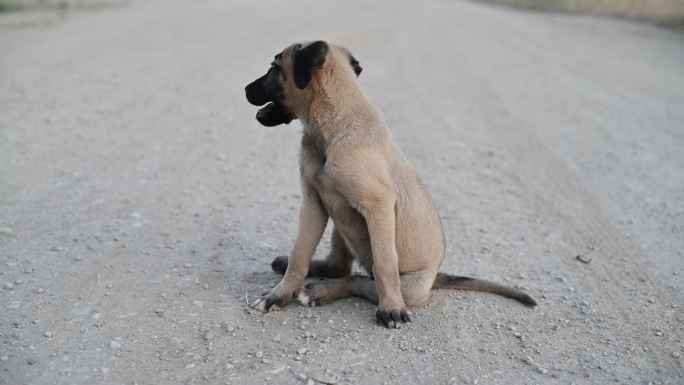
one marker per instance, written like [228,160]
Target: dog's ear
[307,60]
[355,65]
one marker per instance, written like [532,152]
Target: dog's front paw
[392,318]
[273,300]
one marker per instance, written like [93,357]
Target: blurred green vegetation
[664,12]
[4,7]
[10,5]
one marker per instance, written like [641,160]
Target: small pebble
[259,354]
[9,286]
[542,370]
[659,333]
[324,379]
[676,355]
[40,290]
[301,351]
[48,334]
[517,334]
[301,376]
[651,300]
[209,335]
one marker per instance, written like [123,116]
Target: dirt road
[141,203]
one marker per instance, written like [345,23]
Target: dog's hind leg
[337,264]
[325,291]
[415,289]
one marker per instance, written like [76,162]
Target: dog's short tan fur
[353,172]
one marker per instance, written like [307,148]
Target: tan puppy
[353,172]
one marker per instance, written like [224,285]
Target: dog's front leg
[312,221]
[381,219]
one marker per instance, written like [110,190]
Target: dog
[353,172]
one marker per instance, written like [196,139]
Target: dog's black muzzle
[274,112]
[255,92]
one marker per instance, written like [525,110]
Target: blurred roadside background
[662,12]
[669,13]
[38,5]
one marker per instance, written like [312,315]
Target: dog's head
[288,79]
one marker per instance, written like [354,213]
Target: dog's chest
[336,205]
[313,160]
[348,221]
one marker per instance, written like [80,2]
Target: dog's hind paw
[279,264]
[313,294]
[305,299]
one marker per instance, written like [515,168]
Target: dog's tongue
[264,109]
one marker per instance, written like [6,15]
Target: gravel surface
[141,204]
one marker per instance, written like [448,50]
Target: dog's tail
[448,281]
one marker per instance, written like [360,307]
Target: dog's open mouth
[273,114]
[265,110]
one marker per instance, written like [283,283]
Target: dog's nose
[255,93]
[249,94]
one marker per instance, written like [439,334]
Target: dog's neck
[332,105]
